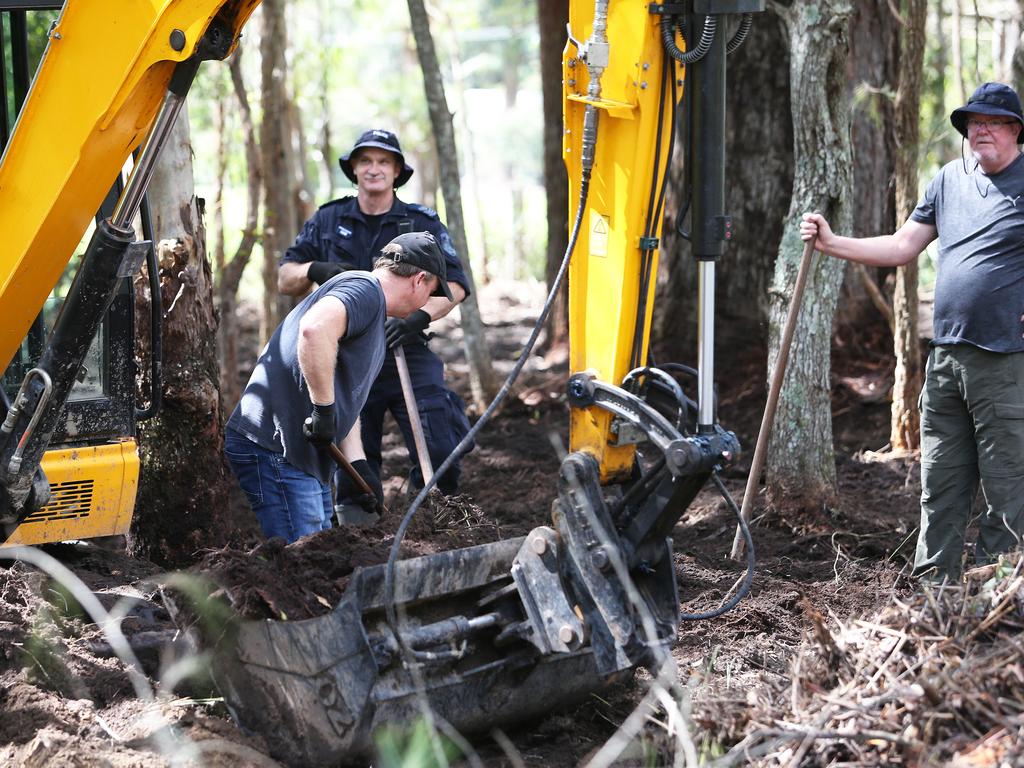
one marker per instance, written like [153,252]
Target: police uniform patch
[344,232]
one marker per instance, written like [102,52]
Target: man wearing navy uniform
[347,234]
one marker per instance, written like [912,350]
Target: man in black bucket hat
[347,234]
[991,100]
[972,406]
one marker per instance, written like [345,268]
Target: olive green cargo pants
[972,430]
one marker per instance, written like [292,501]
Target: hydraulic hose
[467,441]
[741,33]
[748,577]
[707,36]
[597,59]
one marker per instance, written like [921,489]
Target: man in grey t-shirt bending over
[311,381]
[972,407]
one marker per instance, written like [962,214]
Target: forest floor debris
[811,653]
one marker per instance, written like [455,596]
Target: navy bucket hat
[989,99]
[380,139]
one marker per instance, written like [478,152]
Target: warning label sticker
[598,234]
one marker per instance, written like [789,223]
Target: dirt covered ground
[67,700]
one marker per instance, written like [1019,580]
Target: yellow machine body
[99,86]
[604,274]
[93,494]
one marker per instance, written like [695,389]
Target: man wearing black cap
[346,234]
[972,406]
[311,381]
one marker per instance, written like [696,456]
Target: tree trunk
[906,419]
[552,16]
[458,80]
[801,465]
[275,143]
[481,372]
[231,272]
[872,79]
[759,179]
[956,49]
[183,487]
[1018,54]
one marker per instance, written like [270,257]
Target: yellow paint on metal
[93,494]
[98,88]
[604,276]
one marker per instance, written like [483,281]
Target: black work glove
[400,331]
[318,428]
[370,502]
[322,271]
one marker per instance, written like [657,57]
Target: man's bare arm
[292,279]
[320,329]
[893,250]
[352,444]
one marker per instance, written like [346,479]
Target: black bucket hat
[421,250]
[989,99]
[380,139]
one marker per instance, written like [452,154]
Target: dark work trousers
[442,413]
[972,432]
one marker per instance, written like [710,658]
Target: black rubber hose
[748,579]
[467,441]
[668,37]
[156,323]
[741,33]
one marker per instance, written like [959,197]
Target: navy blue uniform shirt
[340,233]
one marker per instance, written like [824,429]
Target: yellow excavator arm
[114,75]
[101,82]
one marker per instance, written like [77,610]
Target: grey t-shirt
[979,288]
[276,399]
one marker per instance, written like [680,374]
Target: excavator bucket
[323,686]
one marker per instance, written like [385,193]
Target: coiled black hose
[707,36]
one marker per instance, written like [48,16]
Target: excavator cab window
[101,404]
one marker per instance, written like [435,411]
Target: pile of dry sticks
[935,679]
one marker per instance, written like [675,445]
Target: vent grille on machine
[67,501]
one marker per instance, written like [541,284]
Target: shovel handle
[341,461]
[420,440]
[778,375]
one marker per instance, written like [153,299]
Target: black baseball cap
[421,250]
[381,139]
[989,99]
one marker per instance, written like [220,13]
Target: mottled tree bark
[482,379]
[278,173]
[956,50]
[231,272]
[906,418]
[1017,69]
[864,311]
[552,16]
[801,463]
[183,487]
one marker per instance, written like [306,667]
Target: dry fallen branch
[933,678]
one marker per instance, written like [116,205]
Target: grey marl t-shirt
[979,288]
[276,399]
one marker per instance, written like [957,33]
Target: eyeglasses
[992,125]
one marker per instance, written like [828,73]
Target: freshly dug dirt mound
[308,577]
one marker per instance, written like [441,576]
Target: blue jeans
[288,502]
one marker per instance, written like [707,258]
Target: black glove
[319,427]
[370,502]
[399,331]
[322,271]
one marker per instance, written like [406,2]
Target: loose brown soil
[66,701]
